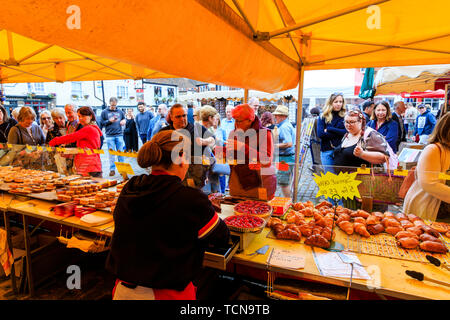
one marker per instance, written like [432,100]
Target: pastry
[432,246]
[429,237]
[361,229]
[416,230]
[405,234]
[375,228]
[317,240]
[256,208]
[440,227]
[346,226]
[408,243]
[393,230]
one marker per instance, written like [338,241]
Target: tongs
[437,262]
[421,277]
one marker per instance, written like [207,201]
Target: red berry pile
[252,207]
[244,221]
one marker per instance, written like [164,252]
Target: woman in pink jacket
[87,137]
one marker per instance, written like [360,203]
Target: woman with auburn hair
[381,120]
[251,142]
[429,195]
[157,250]
[331,129]
[86,137]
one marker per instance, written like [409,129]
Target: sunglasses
[45,118]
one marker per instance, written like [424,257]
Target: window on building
[158,91]
[171,92]
[39,87]
[77,89]
[122,92]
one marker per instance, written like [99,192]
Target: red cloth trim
[189,293]
[205,230]
[160,173]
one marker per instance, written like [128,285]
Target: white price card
[286,259]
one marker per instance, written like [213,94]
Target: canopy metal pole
[245,95]
[298,131]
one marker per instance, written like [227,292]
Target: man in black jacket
[400,109]
[113,120]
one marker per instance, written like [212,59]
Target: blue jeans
[327,161]
[117,144]
[143,137]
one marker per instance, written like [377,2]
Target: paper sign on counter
[343,185]
[286,259]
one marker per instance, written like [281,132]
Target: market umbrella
[437,94]
[395,80]
[367,91]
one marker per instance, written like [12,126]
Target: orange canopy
[253,44]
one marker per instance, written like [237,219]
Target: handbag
[374,141]
[221,168]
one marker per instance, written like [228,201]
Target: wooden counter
[392,280]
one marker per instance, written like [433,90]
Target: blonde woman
[331,128]
[46,122]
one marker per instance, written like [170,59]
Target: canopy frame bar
[98,62]
[11,59]
[284,13]
[227,14]
[26,72]
[244,16]
[385,47]
[52,61]
[326,17]
[91,70]
[34,53]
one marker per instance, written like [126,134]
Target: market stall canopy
[413,78]
[438,94]
[248,44]
[25,60]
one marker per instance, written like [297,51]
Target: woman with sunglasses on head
[351,152]
[331,129]
[381,121]
[86,137]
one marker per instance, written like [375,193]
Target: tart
[244,223]
[255,208]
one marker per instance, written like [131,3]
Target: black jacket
[161,231]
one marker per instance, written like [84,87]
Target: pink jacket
[86,137]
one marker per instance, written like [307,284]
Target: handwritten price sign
[344,185]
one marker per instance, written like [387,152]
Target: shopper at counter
[331,129]
[425,123]
[27,131]
[246,180]
[429,196]
[350,153]
[59,127]
[381,121]
[86,137]
[6,123]
[157,252]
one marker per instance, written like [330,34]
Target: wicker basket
[380,187]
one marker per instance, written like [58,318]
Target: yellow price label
[123,167]
[80,150]
[444,176]
[363,171]
[113,153]
[39,148]
[88,151]
[58,149]
[49,149]
[29,147]
[403,173]
[98,151]
[342,185]
[9,145]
